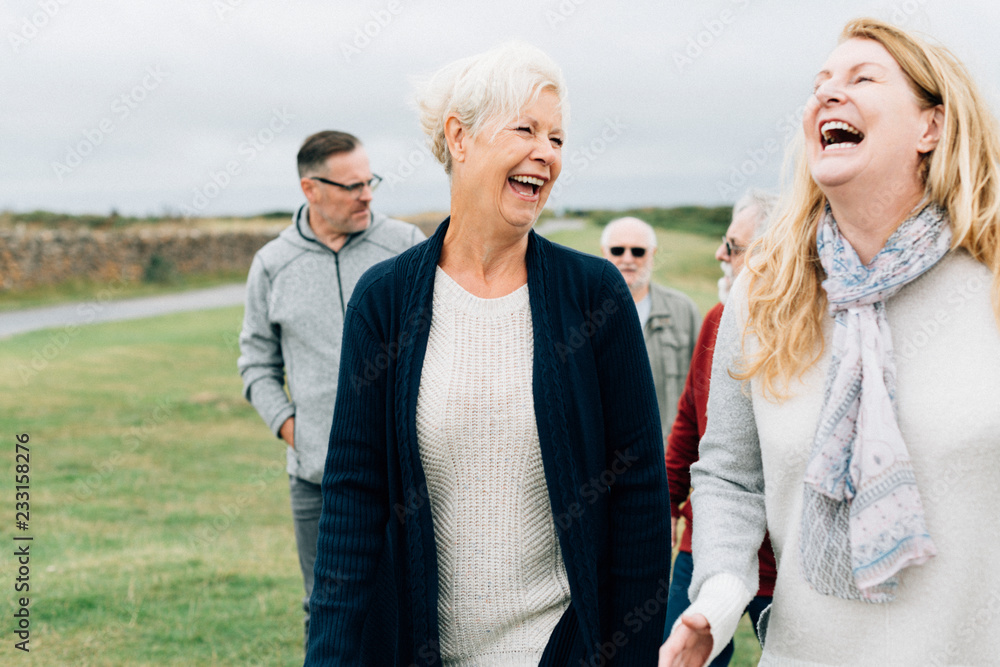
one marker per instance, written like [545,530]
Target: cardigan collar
[550,415]
[432,255]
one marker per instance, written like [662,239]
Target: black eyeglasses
[618,251]
[731,248]
[355,189]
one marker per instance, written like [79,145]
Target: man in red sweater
[750,217]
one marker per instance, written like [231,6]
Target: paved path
[90,312]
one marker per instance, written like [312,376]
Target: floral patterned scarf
[862,519]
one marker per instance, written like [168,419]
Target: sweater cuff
[722,600]
[279,420]
[269,399]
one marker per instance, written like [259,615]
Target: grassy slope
[159,507]
[159,502]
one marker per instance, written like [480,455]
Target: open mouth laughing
[526,186]
[836,135]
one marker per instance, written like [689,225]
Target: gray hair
[763,202]
[485,91]
[620,222]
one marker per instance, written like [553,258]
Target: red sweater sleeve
[689,426]
[682,443]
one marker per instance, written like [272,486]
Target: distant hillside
[709,221]
[55,220]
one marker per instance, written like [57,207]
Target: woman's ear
[932,132]
[457,137]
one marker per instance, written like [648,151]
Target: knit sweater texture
[297,292]
[753,456]
[682,443]
[375,601]
[502,585]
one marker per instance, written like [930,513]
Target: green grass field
[158,499]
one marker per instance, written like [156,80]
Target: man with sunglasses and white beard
[669,319]
[297,293]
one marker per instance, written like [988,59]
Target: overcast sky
[199,106]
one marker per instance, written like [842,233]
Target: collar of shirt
[644,307]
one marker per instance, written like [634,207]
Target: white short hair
[764,204]
[485,91]
[630,221]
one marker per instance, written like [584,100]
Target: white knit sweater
[752,461]
[502,582]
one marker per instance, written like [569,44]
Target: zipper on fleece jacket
[340,283]
[336,256]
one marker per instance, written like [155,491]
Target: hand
[673,533]
[689,645]
[287,432]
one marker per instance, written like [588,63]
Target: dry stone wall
[32,256]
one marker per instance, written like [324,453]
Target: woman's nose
[828,92]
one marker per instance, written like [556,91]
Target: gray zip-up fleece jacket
[297,292]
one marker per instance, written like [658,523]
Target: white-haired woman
[867,438]
[494,491]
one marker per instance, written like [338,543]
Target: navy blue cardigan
[376,591]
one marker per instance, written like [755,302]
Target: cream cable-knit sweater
[502,582]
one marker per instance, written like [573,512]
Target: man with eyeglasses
[297,293]
[669,318]
[750,218]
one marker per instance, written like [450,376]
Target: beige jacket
[670,333]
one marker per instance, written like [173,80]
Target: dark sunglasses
[618,251]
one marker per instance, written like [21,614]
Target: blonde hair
[485,91]
[787,304]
